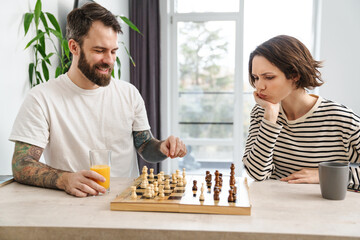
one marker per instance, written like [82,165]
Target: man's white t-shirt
[68,121]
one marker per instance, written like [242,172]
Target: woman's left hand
[305,175]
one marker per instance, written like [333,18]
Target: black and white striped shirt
[328,132]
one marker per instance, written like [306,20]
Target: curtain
[145,51]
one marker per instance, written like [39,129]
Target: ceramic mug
[334,178]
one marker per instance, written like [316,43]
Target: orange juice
[103,170]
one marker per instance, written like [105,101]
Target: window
[207,49]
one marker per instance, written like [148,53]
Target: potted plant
[47,28]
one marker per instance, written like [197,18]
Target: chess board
[182,200]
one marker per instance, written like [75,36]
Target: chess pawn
[148,193]
[221,180]
[234,189]
[177,173]
[217,194]
[202,197]
[180,182]
[151,176]
[167,184]
[163,175]
[161,192]
[152,190]
[156,188]
[159,179]
[231,196]
[133,192]
[184,176]
[174,178]
[194,188]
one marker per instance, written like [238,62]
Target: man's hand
[173,147]
[305,175]
[82,183]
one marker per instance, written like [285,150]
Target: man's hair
[79,21]
[292,57]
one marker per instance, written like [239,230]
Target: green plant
[44,33]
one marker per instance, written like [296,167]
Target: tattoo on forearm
[148,147]
[28,170]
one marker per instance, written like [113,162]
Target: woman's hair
[292,57]
[80,20]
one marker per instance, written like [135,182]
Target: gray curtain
[145,50]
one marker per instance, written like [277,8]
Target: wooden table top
[279,211]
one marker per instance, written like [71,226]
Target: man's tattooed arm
[28,170]
[148,147]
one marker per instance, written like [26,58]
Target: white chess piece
[156,188]
[151,176]
[184,177]
[180,182]
[202,197]
[159,176]
[161,192]
[133,192]
[174,178]
[167,184]
[144,182]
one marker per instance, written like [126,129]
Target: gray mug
[334,179]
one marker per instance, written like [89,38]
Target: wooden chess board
[181,199]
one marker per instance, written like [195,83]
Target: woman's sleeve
[258,156]
[355,158]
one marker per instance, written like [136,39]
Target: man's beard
[91,73]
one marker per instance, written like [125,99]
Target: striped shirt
[328,132]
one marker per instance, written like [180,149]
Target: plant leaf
[31,73]
[27,21]
[37,12]
[130,24]
[65,46]
[127,51]
[119,66]
[58,71]
[42,39]
[43,20]
[54,22]
[45,70]
[38,78]
[34,39]
[56,33]
[42,52]
[48,57]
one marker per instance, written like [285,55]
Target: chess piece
[234,189]
[180,181]
[145,171]
[156,188]
[133,193]
[232,180]
[216,194]
[161,192]
[232,172]
[144,182]
[202,197]
[148,192]
[177,173]
[167,184]
[174,178]
[163,175]
[231,196]
[194,188]
[159,179]
[151,176]
[152,189]
[184,177]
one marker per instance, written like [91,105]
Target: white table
[279,211]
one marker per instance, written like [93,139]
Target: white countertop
[279,211]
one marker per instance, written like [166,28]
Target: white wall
[14,60]
[340,50]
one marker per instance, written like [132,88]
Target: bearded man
[85,109]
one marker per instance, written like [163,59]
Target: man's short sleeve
[31,125]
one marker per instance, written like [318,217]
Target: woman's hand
[305,175]
[271,109]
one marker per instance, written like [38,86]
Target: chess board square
[177,194]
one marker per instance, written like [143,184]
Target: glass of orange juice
[100,160]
